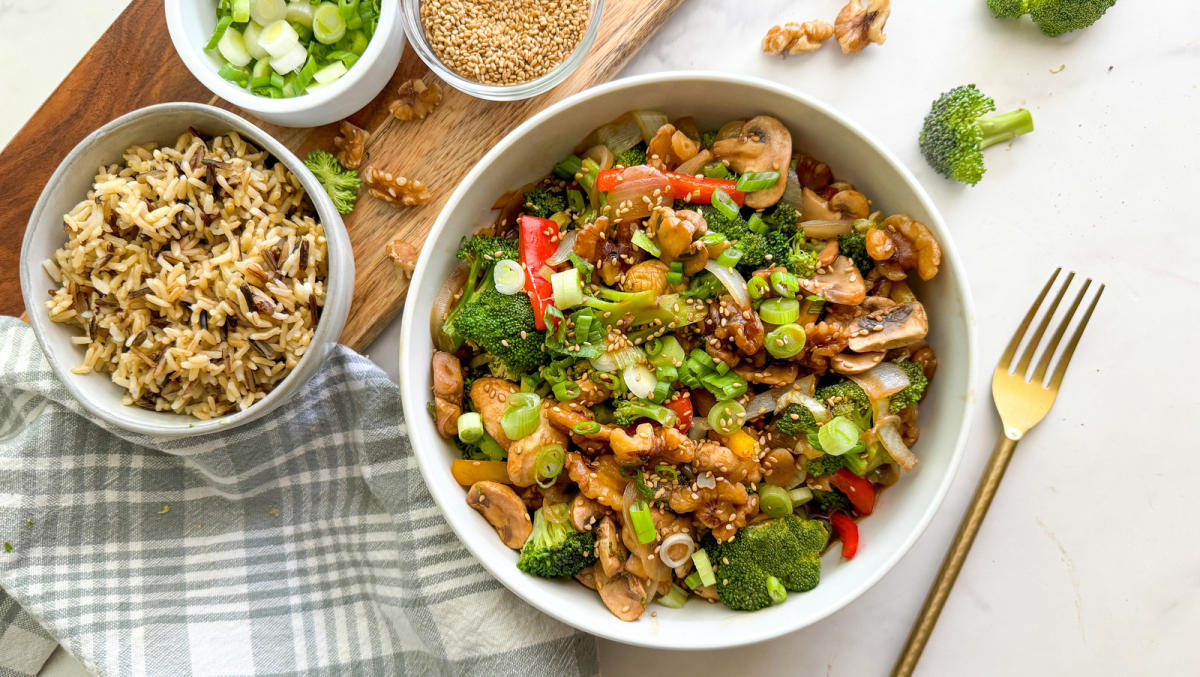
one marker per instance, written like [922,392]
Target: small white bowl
[191,23]
[903,510]
[163,123]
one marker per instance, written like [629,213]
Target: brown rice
[196,272]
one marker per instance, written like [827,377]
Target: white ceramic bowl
[191,23]
[903,511]
[163,123]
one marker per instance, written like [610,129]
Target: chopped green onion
[235,74]
[470,427]
[725,387]
[523,400]
[641,239]
[328,26]
[662,390]
[250,36]
[519,421]
[266,11]
[566,390]
[240,11]
[549,461]
[753,181]
[666,374]
[586,428]
[726,417]
[278,39]
[665,351]
[756,224]
[717,170]
[704,567]
[800,496]
[784,283]
[725,204]
[722,367]
[703,358]
[260,74]
[674,279]
[776,591]
[774,501]
[838,436]
[300,12]
[554,373]
[675,598]
[785,341]
[758,287]
[692,580]
[330,73]
[568,292]
[730,257]
[509,276]
[643,523]
[491,448]
[712,238]
[219,32]
[575,201]
[779,310]
[568,167]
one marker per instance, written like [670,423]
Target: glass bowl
[410,11]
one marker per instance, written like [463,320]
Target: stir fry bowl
[902,512]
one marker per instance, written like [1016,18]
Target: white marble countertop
[1085,564]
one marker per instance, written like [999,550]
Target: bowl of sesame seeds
[502,51]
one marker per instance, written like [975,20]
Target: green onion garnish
[726,417]
[234,74]
[725,387]
[549,462]
[704,567]
[675,598]
[784,283]
[641,239]
[568,167]
[756,224]
[643,523]
[566,390]
[838,435]
[712,238]
[575,201]
[662,390]
[586,428]
[518,421]
[704,359]
[776,591]
[800,496]
[219,32]
[758,287]
[779,310]
[774,501]
[717,170]
[752,181]
[328,25]
[785,341]
[674,279]
[725,204]
[666,374]
[692,580]
[665,351]
[730,257]
[567,290]
[523,400]
[470,427]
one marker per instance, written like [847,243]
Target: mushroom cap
[610,552]
[503,509]
[840,283]
[855,363]
[764,144]
[899,326]
[585,513]
[623,594]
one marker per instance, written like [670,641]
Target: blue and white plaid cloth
[302,543]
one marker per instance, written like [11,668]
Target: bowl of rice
[184,272]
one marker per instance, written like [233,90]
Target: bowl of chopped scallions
[298,63]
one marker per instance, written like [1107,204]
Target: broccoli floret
[787,548]
[633,157]
[502,325]
[800,259]
[554,549]
[825,465]
[544,203]
[736,230]
[796,419]
[957,130]
[916,385]
[708,138]
[613,305]
[854,246]
[1054,17]
[342,184]
[846,398]
[703,286]
[481,252]
[782,218]
[627,412]
[829,502]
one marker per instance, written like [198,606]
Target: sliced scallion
[725,204]
[330,73]
[328,25]
[566,390]
[278,38]
[757,287]
[675,598]
[643,523]
[301,12]
[774,501]
[726,417]
[470,427]
[642,240]
[704,567]
[784,283]
[730,257]
[586,428]
[779,310]
[519,422]
[233,48]
[267,11]
[568,292]
[838,436]
[785,340]
[290,62]
[754,181]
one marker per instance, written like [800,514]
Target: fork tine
[1044,363]
[1006,358]
[1061,369]
[1030,349]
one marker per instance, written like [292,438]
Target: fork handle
[955,556]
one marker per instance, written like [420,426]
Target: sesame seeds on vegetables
[504,43]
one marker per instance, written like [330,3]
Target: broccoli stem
[1005,126]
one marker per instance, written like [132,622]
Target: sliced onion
[509,276]
[604,363]
[696,164]
[601,155]
[734,283]
[762,404]
[889,435]
[826,229]
[705,480]
[449,290]
[882,381]
[793,194]
[648,121]
[620,135]
[566,244]
[640,380]
[638,191]
[673,542]
[819,412]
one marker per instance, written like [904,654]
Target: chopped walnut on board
[796,38]
[404,255]
[397,190]
[857,26]
[351,145]
[416,100]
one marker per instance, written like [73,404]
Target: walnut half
[856,26]
[397,190]
[351,145]
[416,100]
[796,38]
[404,255]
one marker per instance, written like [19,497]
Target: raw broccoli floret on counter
[342,184]
[957,129]
[854,247]
[554,549]
[633,157]
[788,549]
[501,325]
[916,385]
[825,465]
[545,203]
[1054,17]
[628,412]
[847,398]
[796,419]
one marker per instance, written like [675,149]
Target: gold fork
[1022,404]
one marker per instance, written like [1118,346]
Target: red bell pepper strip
[847,532]
[538,242]
[860,491]
[681,404]
[685,186]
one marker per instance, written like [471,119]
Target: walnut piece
[404,255]
[351,145]
[856,26]
[796,38]
[415,100]
[397,190]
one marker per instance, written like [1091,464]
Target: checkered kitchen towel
[302,543]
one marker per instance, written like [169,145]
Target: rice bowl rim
[45,223]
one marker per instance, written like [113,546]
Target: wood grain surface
[134,64]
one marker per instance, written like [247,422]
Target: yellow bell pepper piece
[743,444]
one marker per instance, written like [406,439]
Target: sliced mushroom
[488,395]
[855,363]
[901,325]
[850,204]
[610,552]
[587,577]
[777,374]
[447,392]
[585,513]
[763,144]
[503,509]
[814,208]
[623,594]
[839,283]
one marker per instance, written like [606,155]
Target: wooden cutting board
[134,65]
